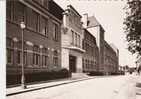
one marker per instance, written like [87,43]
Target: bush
[38,76]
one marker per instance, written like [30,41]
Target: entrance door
[72,63]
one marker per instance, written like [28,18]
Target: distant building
[107,54]
[95,28]
[116,57]
[42,35]
[90,57]
[72,36]
[110,59]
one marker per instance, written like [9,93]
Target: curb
[73,81]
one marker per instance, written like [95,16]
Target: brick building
[72,36]
[96,29]
[42,35]
[110,59]
[90,57]
[107,57]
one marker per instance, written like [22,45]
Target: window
[43,26]
[10,50]
[55,58]
[36,55]
[19,53]
[32,19]
[72,36]
[10,55]
[86,62]
[18,12]
[9,43]
[19,57]
[9,9]
[55,32]
[25,57]
[44,60]
[75,39]
[79,40]
[44,57]
[45,51]
[83,63]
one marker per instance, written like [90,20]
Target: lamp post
[22,25]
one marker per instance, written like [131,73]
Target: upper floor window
[32,19]
[75,39]
[55,32]
[43,26]
[9,9]
[18,14]
[72,33]
[78,40]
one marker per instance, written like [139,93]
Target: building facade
[42,35]
[107,56]
[72,36]
[90,57]
[110,59]
[95,28]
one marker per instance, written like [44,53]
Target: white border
[2,49]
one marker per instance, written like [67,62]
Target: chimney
[85,20]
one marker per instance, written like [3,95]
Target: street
[107,87]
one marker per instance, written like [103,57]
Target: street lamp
[22,25]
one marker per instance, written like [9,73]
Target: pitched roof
[71,7]
[93,22]
[55,9]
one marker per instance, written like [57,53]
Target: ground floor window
[25,58]
[44,60]
[10,55]
[55,61]
[19,57]
[36,58]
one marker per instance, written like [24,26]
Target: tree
[132,27]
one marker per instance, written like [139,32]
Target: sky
[111,15]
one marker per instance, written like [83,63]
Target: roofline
[58,6]
[74,9]
[89,33]
[109,45]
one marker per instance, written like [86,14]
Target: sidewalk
[47,84]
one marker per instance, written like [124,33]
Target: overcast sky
[110,14]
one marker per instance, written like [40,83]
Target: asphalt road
[115,87]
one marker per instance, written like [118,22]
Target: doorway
[72,63]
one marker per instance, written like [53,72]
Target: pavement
[75,78]
[102,87]
[47,84]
